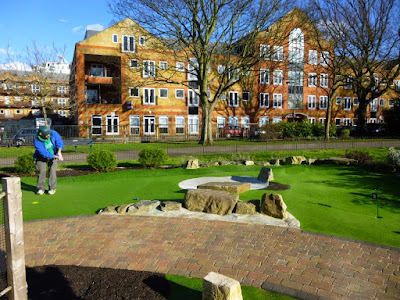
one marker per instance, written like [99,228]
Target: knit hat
[44,130]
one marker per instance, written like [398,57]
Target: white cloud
[62,20]
[3,51]
[77,28]
[97,27]
[6,51]
[20,66]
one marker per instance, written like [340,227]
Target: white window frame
[149,69]
[221,121]
[277,101]
[233,99]
[264,76]
[114,127]
[163,65]
[312,102]
[178,91]
[324,80]
[338,122]
[325,58]
[131,63]
[382,102]
[278,77]
[322,121]
[348,85]
[193,121]
[163,89]
[7,100]
[180,66]
[263,121]
[347,103]
[312,80]
[61,89]
[312,120]
[147,93]
[150,121]
[265,51]
[390,102]
[35,88]
[355,101]
[97,126]
[245,96]
[245,122]
[142,40]
[128,44]
[346,121]
[132,94]
[114,38]
[134,125]
[278,53]
[338,100]
[313,57]
[323,102]
[62,101]
[220,69]
[179,124]
[264,100]
[276,120]
[18,111]
[233,121]
[163,125]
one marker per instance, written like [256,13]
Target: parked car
[235,131]
[24,136]
[257,132]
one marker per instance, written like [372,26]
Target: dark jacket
[41,152]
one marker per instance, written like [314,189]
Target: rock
[310,161]
[109,209]
[224,163]
[295,160]
[336,161]
[210,201]
[275,162]
[249,163]
[192,164]
[170,205]
[143,206]
[245,208]
[123,208]
[231,187]
[273,205]
[220,287]
[265,175]
[266,163]
[256,203]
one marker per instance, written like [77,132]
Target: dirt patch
[73,282]
[275,186]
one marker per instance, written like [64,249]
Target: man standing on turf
[48,144]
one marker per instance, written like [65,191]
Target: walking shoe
[52,192]
[40,192]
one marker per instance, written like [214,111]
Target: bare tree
[35,82]
[206,34]
[366,39]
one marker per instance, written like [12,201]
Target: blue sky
[48,22]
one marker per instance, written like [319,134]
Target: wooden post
[16,274]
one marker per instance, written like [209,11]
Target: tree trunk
[328,118]
[206,125]
[361,115]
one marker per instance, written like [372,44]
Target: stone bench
[231,187]
[210,201]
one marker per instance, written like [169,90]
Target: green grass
[183,288]
[327,199]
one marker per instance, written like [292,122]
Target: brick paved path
[304,265]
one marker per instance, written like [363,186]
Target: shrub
[274,131]
[393,157]
[332,130]
[152,157]
[318,130]
[102,160]
[358,155]
[345,133]
[25,164]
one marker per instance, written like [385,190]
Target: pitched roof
[89,33]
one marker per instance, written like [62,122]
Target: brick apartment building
[114,82]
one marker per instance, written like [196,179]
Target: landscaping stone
[170,205]
[310,161]
[143,206]
[220,287]
[192,164]
[273,205]
[245,208]
[275,162]
[210,201]
[109,209]
[336,161]
[123,208]
[249,163]
[224,163]
[265,175]
[295,160]
[256,203]
[231,187]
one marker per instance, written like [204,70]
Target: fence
[16,287]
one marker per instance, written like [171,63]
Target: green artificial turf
[327,199]
[182,288]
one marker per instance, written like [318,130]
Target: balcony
[98,80]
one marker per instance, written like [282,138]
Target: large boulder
[231,187]
[265,175]
[220,287]
[295,160]
[210,201]
[170,205]
[192,164]
[273,205]
[245,208]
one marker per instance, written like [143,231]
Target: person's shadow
[28,187]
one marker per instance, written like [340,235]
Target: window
[264,76]
[134,125]
[372,120]
[245,96]
[347,103]
[62,89]
[278,53]
[338,100]
[276,119]
[278,77]
[325,58]
[376,78]
[2,111]
[193,98]
[97,70]
[97,125]
[312,120]
[18,111]
[390,103]
[134,63]
[338,121]
[220,69]
[115,38]
[312,79]
[180,66]
[8,113]
[62,101]
[179,93]
[55,100]
[264,51]
[192,69]
[35,88]
[381,102]
[234,75]
[163,65]
[277,101]
[149,97]
[149,125]
[233,99]
[346,122]
[193,124]
[179,124]
[142,41]
[263,121]
[313,57]
[128,43]
[220,122]
[245,122]
[324,81]
[163,124]
[348,85]
[163,93]
[312,102]
[322,121]
[149,68]
[134,92]
[373,106]
[323,102]
[397,87]
[264,100]
[62,113]
[233,121]
[112,127]
[355,101]
[6,100]
[17,99]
